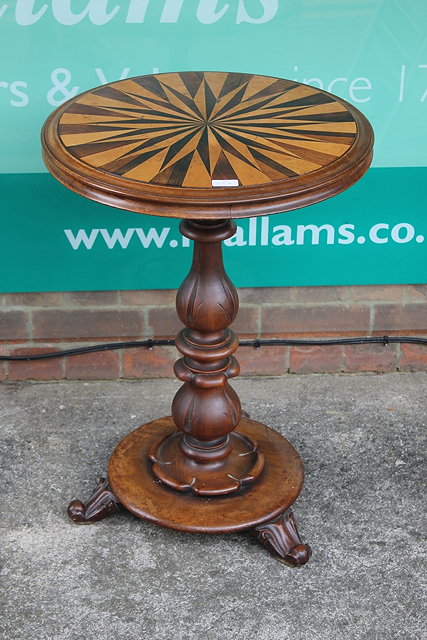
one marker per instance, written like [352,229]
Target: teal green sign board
[372,53]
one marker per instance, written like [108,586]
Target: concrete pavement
[362,509]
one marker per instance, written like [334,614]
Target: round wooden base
[138,490]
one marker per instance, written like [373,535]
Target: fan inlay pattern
[187,129]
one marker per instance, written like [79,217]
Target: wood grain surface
[133,484]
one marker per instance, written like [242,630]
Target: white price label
[225,183]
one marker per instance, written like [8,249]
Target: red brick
[371,357]
[49,369]
[155,297]
[3,370]
[13,324]
[408,318]
[264,361]
[87,324]
[312,359]
[247,323]
[95,298]
[149,363]
[317,320]
[46,299]
[101,365]
[164,322]
[317,294]
[287,295]
[395,292]
[260,295]
[413,357]
[417,291]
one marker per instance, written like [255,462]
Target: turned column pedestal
[208,468]
[208,457]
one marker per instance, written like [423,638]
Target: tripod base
[132,482]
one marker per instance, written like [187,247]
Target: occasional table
[206,148]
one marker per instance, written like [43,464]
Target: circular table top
[207,144]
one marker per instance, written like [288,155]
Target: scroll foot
[282,539]
[101,504]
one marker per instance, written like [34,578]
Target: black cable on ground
[256,343]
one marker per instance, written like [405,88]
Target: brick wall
[43,322]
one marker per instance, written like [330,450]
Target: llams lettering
[100,12]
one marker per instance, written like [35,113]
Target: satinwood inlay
[210,140]
[187,129]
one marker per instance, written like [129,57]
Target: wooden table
[206,147]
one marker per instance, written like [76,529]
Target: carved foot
[282,539]
[101,504]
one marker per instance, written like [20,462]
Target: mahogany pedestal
[206,147]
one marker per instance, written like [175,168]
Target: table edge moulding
[171,145]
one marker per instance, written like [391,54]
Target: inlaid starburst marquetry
[190,129]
